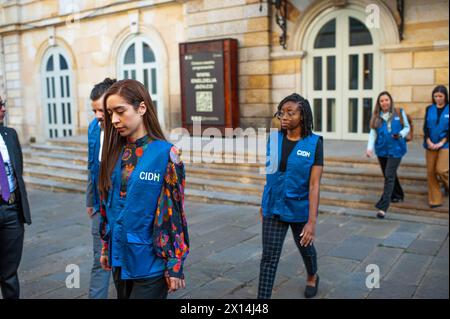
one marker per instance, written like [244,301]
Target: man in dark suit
[14,208]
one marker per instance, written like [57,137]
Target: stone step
[255,167]
[373,175]
[212,185]
[229,172]
[329,160]
[410,206]
[46,170]
[339,173]
[54,186]
[56,166]
[332,168]
[80,142]
[209,163]
[338,200]
[222,197]
[347,184]
[219,192]
[347,187]
[74,141]
[363,187]
[358,163]
[58,149]
[56,175]
[370,164]
[50,157]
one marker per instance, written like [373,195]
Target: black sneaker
[311,291]
[381,214]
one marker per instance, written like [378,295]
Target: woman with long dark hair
[435,142]
[142,188]
[388,130]
[291,193]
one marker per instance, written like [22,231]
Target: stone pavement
[226,247]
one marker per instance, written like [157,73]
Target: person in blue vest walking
[291,194]
[99,284]
[388,130]
[142,182]
[436,136]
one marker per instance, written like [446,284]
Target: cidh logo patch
[303,153]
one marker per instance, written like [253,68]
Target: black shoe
[435,206]
[311,291]
[396,200]
[381,214]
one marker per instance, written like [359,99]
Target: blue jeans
[98,288]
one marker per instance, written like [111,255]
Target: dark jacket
[15,154]
[92,193]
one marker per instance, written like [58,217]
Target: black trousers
[11,246]
[147,288]
[274,233]
[392,188]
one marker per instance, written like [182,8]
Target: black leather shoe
[311,291]
[381,214]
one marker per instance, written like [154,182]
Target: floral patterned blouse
[170,234]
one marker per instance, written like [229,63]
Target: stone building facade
[339,54]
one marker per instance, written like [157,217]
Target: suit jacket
[15,154]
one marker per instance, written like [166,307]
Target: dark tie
[4,185]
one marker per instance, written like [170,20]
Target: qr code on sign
[204,101]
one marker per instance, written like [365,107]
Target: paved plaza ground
[226,247]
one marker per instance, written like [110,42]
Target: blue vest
[385,144]
[287,193]
[93,162]
[130,219]
[438,130]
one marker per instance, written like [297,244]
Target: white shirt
[8,166]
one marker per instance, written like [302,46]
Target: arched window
[137,61]
[359,34]
[58,94]
[327,36]
[342,76]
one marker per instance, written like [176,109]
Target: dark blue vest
[131,218]
[438,130]
[385,144]
[287,193]
[93,162]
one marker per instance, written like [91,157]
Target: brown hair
[375,121]
[440,89]
[134,93]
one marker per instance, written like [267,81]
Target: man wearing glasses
[14,208]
